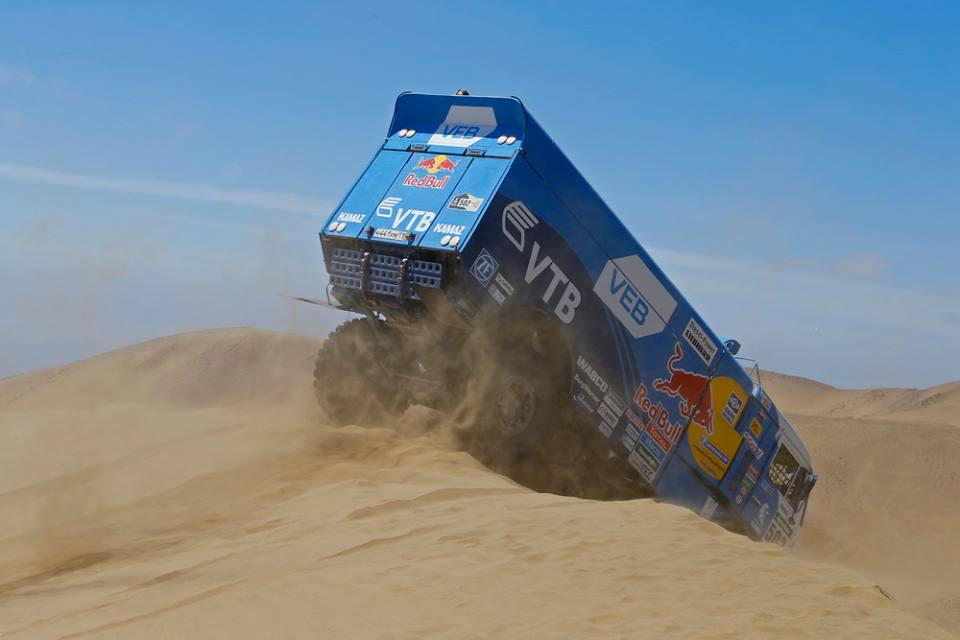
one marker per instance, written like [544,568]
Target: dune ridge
[188,487]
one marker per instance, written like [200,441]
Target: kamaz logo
[350,217]
[517,219]
[635,296]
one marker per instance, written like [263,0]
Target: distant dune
[187,487]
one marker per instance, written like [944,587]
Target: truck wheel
[349,379]
[520,389]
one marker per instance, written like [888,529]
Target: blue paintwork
[650,374]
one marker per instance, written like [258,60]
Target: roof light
[332,226]
[501,139]
[341,226]
[511,139]
[454,241]
[445,240]
[402,133]
[411,132]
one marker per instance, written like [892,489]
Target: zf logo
[516,221]
[484,267]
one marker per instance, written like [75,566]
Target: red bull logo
[431,166]
[692,389]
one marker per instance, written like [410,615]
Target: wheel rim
[516,405]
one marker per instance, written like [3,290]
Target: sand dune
[187,487]
[885,502]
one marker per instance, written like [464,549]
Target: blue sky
[166,166]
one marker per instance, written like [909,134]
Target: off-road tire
[520,419]
[351,383]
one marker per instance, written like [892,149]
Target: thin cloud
[11,74]
[811,293]
[186,191]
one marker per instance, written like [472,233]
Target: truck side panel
[666,397]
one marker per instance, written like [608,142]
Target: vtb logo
[410,219]
[516,220]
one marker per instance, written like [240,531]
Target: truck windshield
[788,476]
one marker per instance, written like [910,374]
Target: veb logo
[484,267]
[635,296]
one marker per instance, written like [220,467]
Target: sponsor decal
[401,218]
[424,173]
[586,387]
[393,234]
[692,389]
[697,338]
[350,217]
[753,446]
[451,229]
[504,284]
[647,456]
[731,411]
[605,429]
[645,470]
[581,399]
[659,438]
[656,414]
[765,400]
[464,126]
[607,414]
[497,294]
[760,520]
[616,403]
[515,222]
[712,448]
[780,530]
[484,267]
[756,428]
[635,295]
[630,437]
[651,446]
[465,202]
[593,376]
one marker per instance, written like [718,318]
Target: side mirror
[732,346]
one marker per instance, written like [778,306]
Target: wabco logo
[595,377]
[408,219]
[635,296]
[517,219]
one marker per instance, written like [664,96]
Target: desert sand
[187,487]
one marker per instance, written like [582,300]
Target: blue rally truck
[489,270]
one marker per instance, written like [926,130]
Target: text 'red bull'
[432,166]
